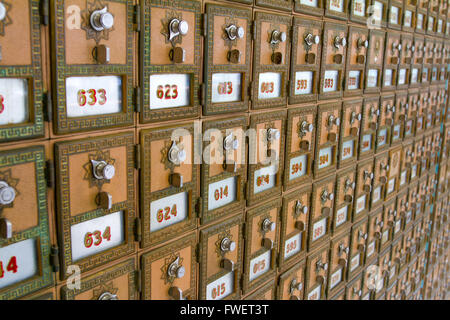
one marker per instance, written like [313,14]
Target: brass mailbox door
[437,61]
[170,271]
[385,122]
[369,126]
[442,15]
[316,274]
[353,289]
[224,170]
[359,11]
[309,7]
[422,107]
[393,174]
[393,47]
[291,284]
[364,180]
[25,236]
[266,156]
[300,144]
[339,257]
[262,233]
[327,140]
[343,207]
[375,229]
[305,60]
[170,60]
[371,286]
[168,183]
[421,16]
[399,117]
[333,60]
[405,215]
[221,248]
[93,58]
[337,9]
[396,258]
[384,263]
[226,59]
[427,61]
[411,113]
[357,51]
[395,14]
[419,151]
[113,283]
[389,217]
[266,292]
[406,164]
[95,203]
[413,200]
[409,16]
[431,110]
[294,226]
[378,13]
[285,5]
[22,83]
[404,68]
[358,247]
[350,130]
[321,212]
[374,63]
[271,56]
[431,23]
[417,61]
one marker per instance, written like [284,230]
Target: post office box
[442,13]
[117,282]
[266,156]
[309,7]
[389,218]
[169,180]
[420,235]
[436,214]
[403,286]
[431,22]
[23,90]
[445,154]
[170,271]
[221,247]
[349,134]
[418,150]
[442,183]
[316,274]
[384,263]
[393,47]
[421,21]
[427,60]
[357,51]
[413,201]
[358,247]
[405,164]
[396,257]
[337,9]
[321,215]
[93,55]
[422,197]
[409,247]
[170,53]
[414,275]
[411,113]
[284,5]
[266,292]
[327,140]
[95,199]
[339,257]
[226,59]
[441,103]
[369,126]
[446,55]
[393,175]
[224,170]
[372,281]
[385,123]
[428,286]
[426,154]
[300,145]
[375,230]
[378,13]
[435,148]
[437,61]
[291,284]
[431,183]
[271,58]
[25,240]
[404,68]
[422,110]
[305,60]
[409,15]
[379,185]
[374,63]
[262,232]
[353,288]
[417,61]
[405,212]
[364,179]
[432,253]
[431,110]
[333,60]
[344,203]
[395,14]
[294,226]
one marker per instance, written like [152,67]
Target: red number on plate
[323,159]
[259,266]
[267,87]
[164,214]
[219,291]
[2,104]
[291,246]
[220,193]
[97,235]
[92,95]
[302,84]
[318,231]
[225,88]
[328,83]
[167,92]
[336,3]
[11,267]
[261,179]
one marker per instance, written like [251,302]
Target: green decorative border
[285,5]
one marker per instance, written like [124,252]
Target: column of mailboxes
[266,149]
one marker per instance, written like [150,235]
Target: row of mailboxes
[97,47]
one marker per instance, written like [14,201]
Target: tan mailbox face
[399,117]
[310,7]
[393,48]
[21,83]
[406,164]
[114,283]
[358,10]
[224,169]
[337,9]
[284,5]
[333,60]
[358,247]
[422,110]
[411,113]
[375,229]
[169,179]
[305,60]
[316,274]
[421,16]
[427,154]
[327,140]
[95,202]
[357,52]
[323,194]
[354,288]
[431,23]
[294,226]
[291,284]
[395,14]
[94,73]
[221,247]
[262,233]
[396,257]
[344,203]
[170,50]
[339,259]
[25,236]
[404,68]
[417,62]
[393,174]
[419,151]
[227,59]
[374,63]
[266,155]
[369,125]
[378,13]
[385,122]
[408,247]
[413,200]
[437,61]
[271,57]
[427,61]
[389,218]
[409,15]
[384,262]
[350,130]
[266,292]
[364,180]
[300,145]
[170,271]
[405,215]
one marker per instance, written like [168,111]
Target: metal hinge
[204,24]
[54,258]
[291,33]
[45,12]
[202,94]
[343,82]
[198,206]
[137,99]
[137,230]
[254,30]
[138,279]
[250,89]
[47,106]
[243,228]
[50,173]
[241,281]
[137,18]
[137,156]
[197,252]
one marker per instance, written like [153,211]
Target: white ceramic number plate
[402,76]
[169,90]
[319,229]
[325,157]
[264,179]
[298,166]
[269,86]
[370,249]
[341,216]
[361,204]
[372,78]
[359,8]
[97,235]
[354,262]
[407,19]
[260,265]
[18,262]
[385,236]
[353,79]
[376,196]
[348,149]
[220,288]
[221,193]
[387,77]
[293,245]
[403,178]
[414,75]
[430,23]
[168,211]
[303,82]
[413,171]
[336,277]
[393,15]
[377,10]
[391,186]
[330,81]
[315,294]
[366,142]
[226,87]
[13,101]
[419,21]
[311,3]
[382,137]
[424,74]
[89,96]
[337,5]
[398,225]
[408,129]
[439,26]
[396,132]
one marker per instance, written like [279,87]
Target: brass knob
[268,225]
[295,285]
[108,296]
[340,41]
[300,225]
[300,208]
[273,134]
[234,32]
[230,143]
[101,20]
[349,184]
[332,120]
[326,196]
[176,155]
[103,170]
[278,37]
[7,193]
[176,293]
[177,27]
[176,270]
[227,245]
[306,127]
[362,43]
[311,39]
